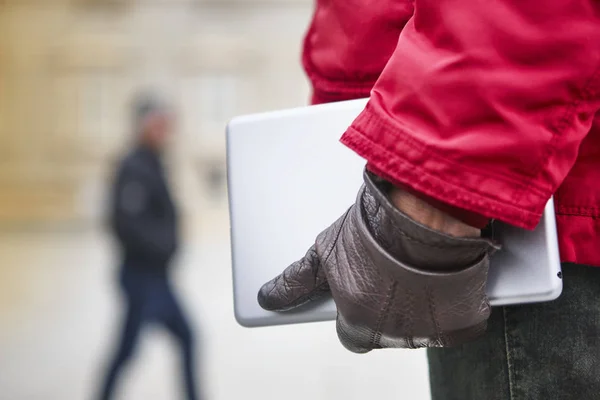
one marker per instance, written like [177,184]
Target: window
[86,105]
[208,102]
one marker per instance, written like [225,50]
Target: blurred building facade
[68,69]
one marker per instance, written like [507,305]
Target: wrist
[422,212]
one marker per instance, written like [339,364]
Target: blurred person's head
[153,121]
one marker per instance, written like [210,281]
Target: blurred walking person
[144,221]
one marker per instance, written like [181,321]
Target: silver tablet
[289,178]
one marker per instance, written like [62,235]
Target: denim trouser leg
[548,351]
[150,298]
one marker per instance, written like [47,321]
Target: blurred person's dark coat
[143,219]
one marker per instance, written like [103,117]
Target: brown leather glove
[395,283]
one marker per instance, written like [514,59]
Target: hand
[395,282]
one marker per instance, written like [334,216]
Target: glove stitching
[329,250]
[470,246]
[313,255]
[439,336]
[376,334]
[410,300]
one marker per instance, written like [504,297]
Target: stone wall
[68,70]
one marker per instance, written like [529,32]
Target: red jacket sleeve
[484,105]
[349,43]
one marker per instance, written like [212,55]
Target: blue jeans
[150,298]
[547,351]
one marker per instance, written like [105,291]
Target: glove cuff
[411,242]
[438,280]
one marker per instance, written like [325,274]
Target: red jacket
[488,106]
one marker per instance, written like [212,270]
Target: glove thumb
[300,283]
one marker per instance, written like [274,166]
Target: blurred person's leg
[134,288]
[533,352]
[177,323]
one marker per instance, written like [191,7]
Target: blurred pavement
[58,311]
